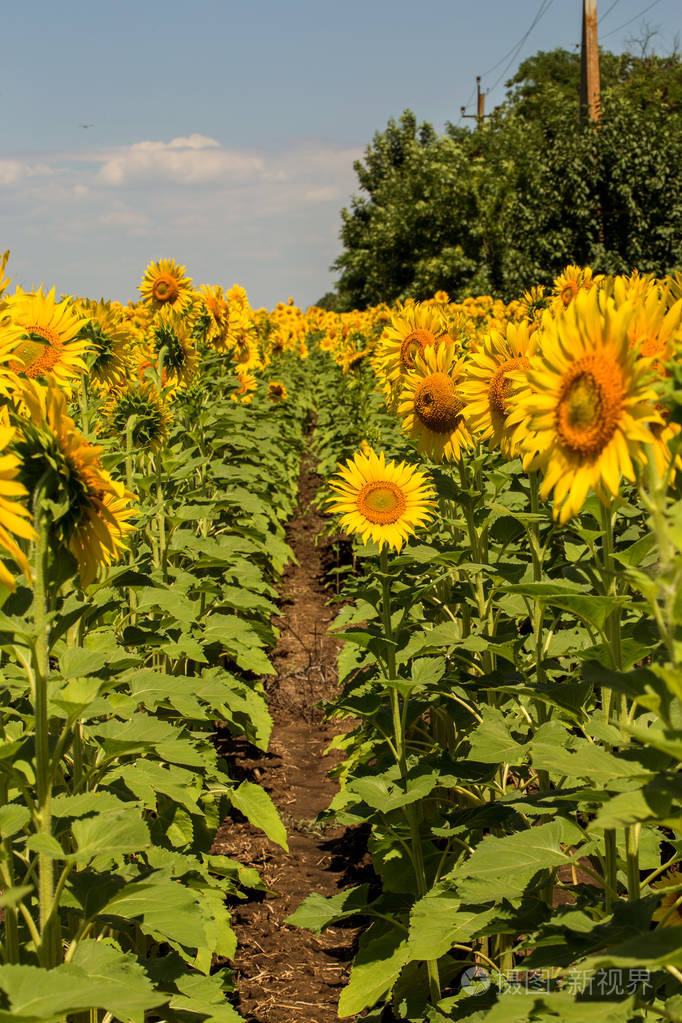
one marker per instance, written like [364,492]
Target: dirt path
[286,975]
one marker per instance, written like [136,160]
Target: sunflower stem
[47,950]
[539,615]
[617,710]
[399,728]
[11,914]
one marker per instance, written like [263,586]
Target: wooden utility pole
[480,114]
[589,65]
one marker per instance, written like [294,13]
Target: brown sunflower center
[568,292]
[39,352]
[437,404]
[382,502]
[590,404]
[414,343]
[165,288]
[498,387]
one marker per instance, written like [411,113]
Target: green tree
[511,203]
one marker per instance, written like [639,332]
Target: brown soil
[285,974]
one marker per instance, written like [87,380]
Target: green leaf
[438,921]
[316,912]
[491,740]
[12,819]
[109,834]
[524,852]
[165,907]
[98,977]
[203,996]
[382,953]
[257,806]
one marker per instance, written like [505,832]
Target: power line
[504,57]
[626,23]
[606,14]
[544,7]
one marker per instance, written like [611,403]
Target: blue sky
[224,134]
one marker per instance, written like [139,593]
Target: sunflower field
[510,611]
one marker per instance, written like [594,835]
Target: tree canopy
[509,204]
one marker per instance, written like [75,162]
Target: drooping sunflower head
[51,346]
[417,327]
[534,302]
[110,338]
[15,517]
[491,373]
[381,501]
[141,409]
[171,341]
[583,415]
[165,285]
[431,404]
[89,511]
[277,392]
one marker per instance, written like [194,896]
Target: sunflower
[90,511]
[111,338]
[164,285]
[277,392]
[169,334]
[487,383]
[381,501]
[411,332]
[14,516]
[431,404]
[217,318]
[51,345]
[533,303]
[247,385]
[242,342]
[152,417]
[569,283]
[582,411]
[4,281]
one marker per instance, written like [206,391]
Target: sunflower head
[431,404]
[381,501]
[15,517]
[89,511]
[277,392]
[491,374]
[171,341]
[247,385]
[414,329]
[572,280]
[51,346]
[583,408]
[533,304]
[164,285]
[141,409]
[110,338]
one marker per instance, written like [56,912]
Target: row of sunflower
[513,659]
[149,462]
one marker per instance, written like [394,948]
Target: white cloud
[322,194]
[89,220]
[12,172]
[194,160]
